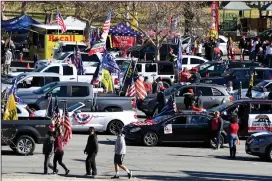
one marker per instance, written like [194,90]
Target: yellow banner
[11,110]
[213,33]
[134,22]
[51,41]
[107,80]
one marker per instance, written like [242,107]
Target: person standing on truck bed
[58,149]
[48,151]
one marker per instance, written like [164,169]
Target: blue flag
[13,90]
[179,58]
[109,63]
[169,108]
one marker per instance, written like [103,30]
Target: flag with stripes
[77,61]
[137,88]
[101,45]
[57,121]
[131,91]
[60,22]
[67,127]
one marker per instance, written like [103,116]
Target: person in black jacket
[48,151]
[91,150]
[189,98]
[242,47]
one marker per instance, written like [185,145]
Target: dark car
[22,135]
[212,95]
[215,68]
[237,75]
[188,127]
[249,112]
[260,144]
[148,50]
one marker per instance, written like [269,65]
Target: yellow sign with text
[52,41]
[213,33]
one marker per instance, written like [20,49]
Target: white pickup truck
[67,71]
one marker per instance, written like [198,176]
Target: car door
[240,76]
[180,96]
[61,92]
[53,69]
[68,73]
[179,131]
[151,71]
[207,96]
[185,62]
[197,127]
[195,62]
[80,94]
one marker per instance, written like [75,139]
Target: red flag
[67,128]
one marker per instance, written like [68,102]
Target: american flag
[101,45]
[137,88]
[67,127]
[56,113]
[77,61]
[60,22]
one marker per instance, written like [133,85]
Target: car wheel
[113,125]
[25,145]
[269,154]
[150,139]
[166,84]
[213,145]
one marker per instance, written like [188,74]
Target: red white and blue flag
[67,127]
[100,46]
[60,22]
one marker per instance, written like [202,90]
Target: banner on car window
[259,122]
[123,42]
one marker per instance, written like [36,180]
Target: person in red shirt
[58,149]
[185,75]
[233,135]
[216,126]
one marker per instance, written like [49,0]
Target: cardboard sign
[123,42]
[259,122]
[168,129]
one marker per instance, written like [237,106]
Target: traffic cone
[27,66]
[21,59]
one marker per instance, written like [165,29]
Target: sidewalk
[40,177]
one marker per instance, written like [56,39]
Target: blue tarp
[18,24]
[123,30]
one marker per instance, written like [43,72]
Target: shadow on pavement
[109,142]
[173,178]
[79,160]
[197,156]
[9,153]
[223,176]
[239,158]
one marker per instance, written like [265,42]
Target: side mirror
[78,111]
[225,113]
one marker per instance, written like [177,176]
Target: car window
[37,82]
[139,67]
[87,58]
[182,91]
[267,74]
[216,92]
[211,68]
[166,69]
[221,41]
[269,88]
[206,91]
[150,68]
[180,120]
[241,74]
[67,70]
[54,69]
[59,91]
[261,108]
[48,80]
[198,120]
[258,74]
[80,91]
[18,110]
[185,61]
[195,61]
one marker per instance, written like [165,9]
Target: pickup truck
[68,72]
[74,92]
[21,135]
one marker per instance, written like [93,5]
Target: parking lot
[165,162]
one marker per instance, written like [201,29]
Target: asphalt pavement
[161,163]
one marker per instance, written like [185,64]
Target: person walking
[91,150]
[195,78]
[268,55]
[8,59]
[242,47]
[229,47]
[48,145]
[216,126]
[58,149]
[120,151]
[233,135]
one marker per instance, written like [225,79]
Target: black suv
[22,135]
[215,68]
[237,75]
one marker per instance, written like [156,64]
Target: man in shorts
[120,151]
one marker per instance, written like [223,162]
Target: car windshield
[39,69]
[172,89]
[73,107]
[203,66]
[161,118]
[45,88]
[259,85]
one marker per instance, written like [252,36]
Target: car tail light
[116,81]
[231,98]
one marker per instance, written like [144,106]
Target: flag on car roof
[100,46]
[179,58]
[109,63]
[67,127]
[107,80]
[77,61]
[56,113]
[60,21]
[137,88]
[95,79]
[169,108]
[13,90]
[11,109]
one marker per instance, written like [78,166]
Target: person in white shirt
[8,58]
[268,54]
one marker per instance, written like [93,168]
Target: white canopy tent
[238,6]
[72,21]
